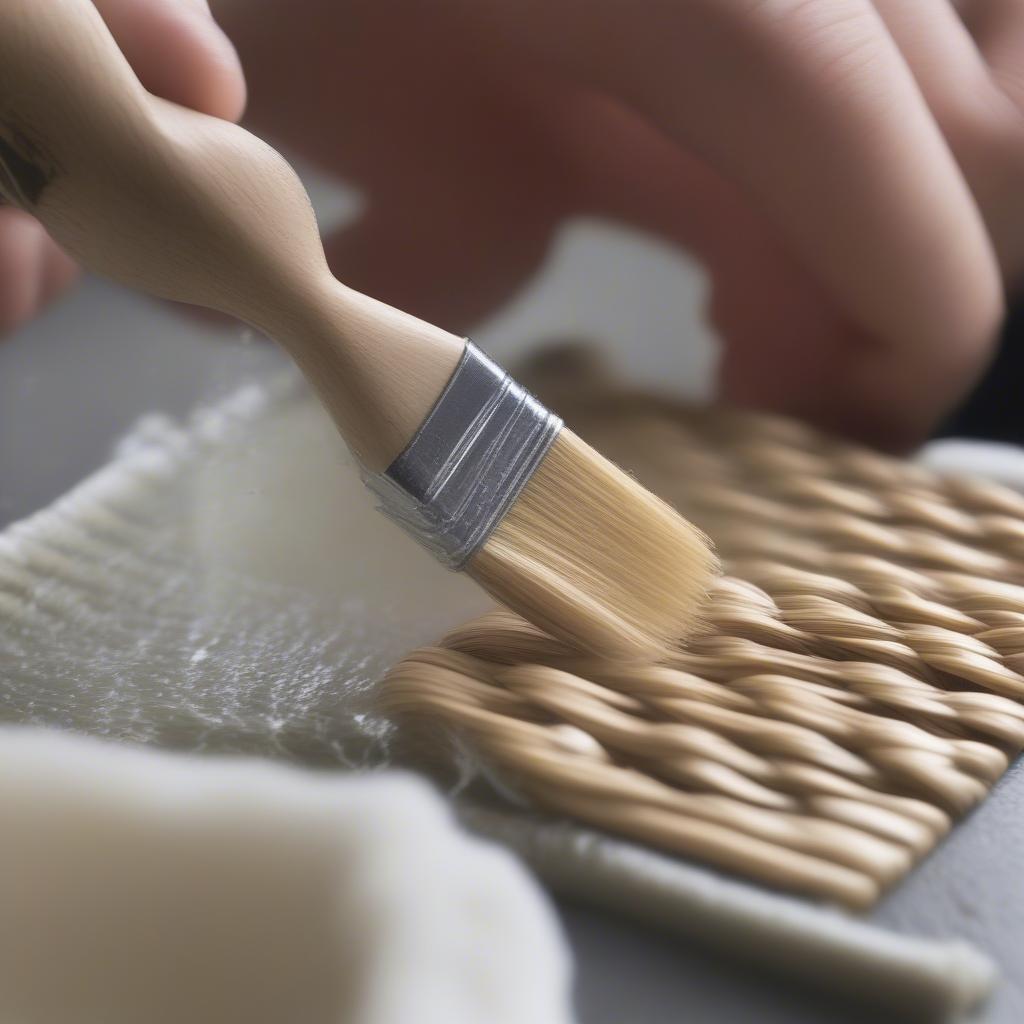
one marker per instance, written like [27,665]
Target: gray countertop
[75,380]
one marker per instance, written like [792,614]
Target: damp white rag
[148,888]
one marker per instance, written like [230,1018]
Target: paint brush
[189,207]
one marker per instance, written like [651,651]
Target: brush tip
[595,559]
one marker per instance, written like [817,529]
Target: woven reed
[857,686]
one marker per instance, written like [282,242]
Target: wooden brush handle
[189,207]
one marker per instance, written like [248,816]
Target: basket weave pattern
[859,682]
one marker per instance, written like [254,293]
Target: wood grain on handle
[188,207]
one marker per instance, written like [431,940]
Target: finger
[787,350]
[33,269]
[998,28]
[811,110]
[942,54]
[978,119]
[179,52]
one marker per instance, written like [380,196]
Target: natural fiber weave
[857,686]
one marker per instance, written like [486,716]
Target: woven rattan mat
[857,687]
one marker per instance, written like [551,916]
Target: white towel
[140,887]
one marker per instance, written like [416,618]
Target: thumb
[179,52]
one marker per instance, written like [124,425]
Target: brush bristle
[595,559]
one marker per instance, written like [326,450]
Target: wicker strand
[857,685]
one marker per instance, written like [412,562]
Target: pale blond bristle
[591,556]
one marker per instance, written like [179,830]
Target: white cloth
[141,887]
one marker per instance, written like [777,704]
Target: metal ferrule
[464,469]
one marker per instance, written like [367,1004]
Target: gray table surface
[76,379]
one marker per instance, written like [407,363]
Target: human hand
[179,53]
[848,172]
